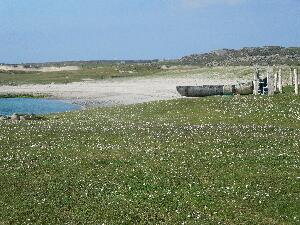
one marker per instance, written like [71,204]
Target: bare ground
[118,91]
[41,69]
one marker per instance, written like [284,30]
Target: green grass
[215,160]
[110,71]
[86,72]
[242,72]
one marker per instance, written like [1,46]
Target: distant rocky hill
[268,55]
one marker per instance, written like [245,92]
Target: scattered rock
[268,55]
[15,117]
[22,118]
[3,118]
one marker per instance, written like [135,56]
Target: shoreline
[114,92]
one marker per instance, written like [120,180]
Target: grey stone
[244,88]
[3,118]
[22,118]
[15,117]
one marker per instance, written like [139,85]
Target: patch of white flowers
[177,160]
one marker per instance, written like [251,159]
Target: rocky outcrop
[16,117]
[268,55]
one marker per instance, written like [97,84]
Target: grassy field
[108,71]
[86,72]
[215,160]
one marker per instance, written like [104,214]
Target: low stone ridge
[249,56]
[17,117]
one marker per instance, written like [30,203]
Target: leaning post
[280,80]
[296,81]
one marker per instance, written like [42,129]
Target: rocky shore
[121,91]
[17,117]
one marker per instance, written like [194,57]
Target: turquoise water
[8,106]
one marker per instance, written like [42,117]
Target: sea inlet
[9,106]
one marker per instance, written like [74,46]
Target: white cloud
[204,3]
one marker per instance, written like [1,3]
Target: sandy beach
[118,91]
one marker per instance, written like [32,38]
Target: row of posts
[275,82]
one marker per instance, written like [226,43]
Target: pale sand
[40,69]
[118,91]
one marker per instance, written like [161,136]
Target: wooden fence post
[270,78]
[291,76]
[256,82]
[296,81]
[276,81]
[280,80]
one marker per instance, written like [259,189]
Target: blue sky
[55,30]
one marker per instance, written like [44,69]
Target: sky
[60,30]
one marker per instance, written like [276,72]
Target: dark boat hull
[205,90]
[211,90]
